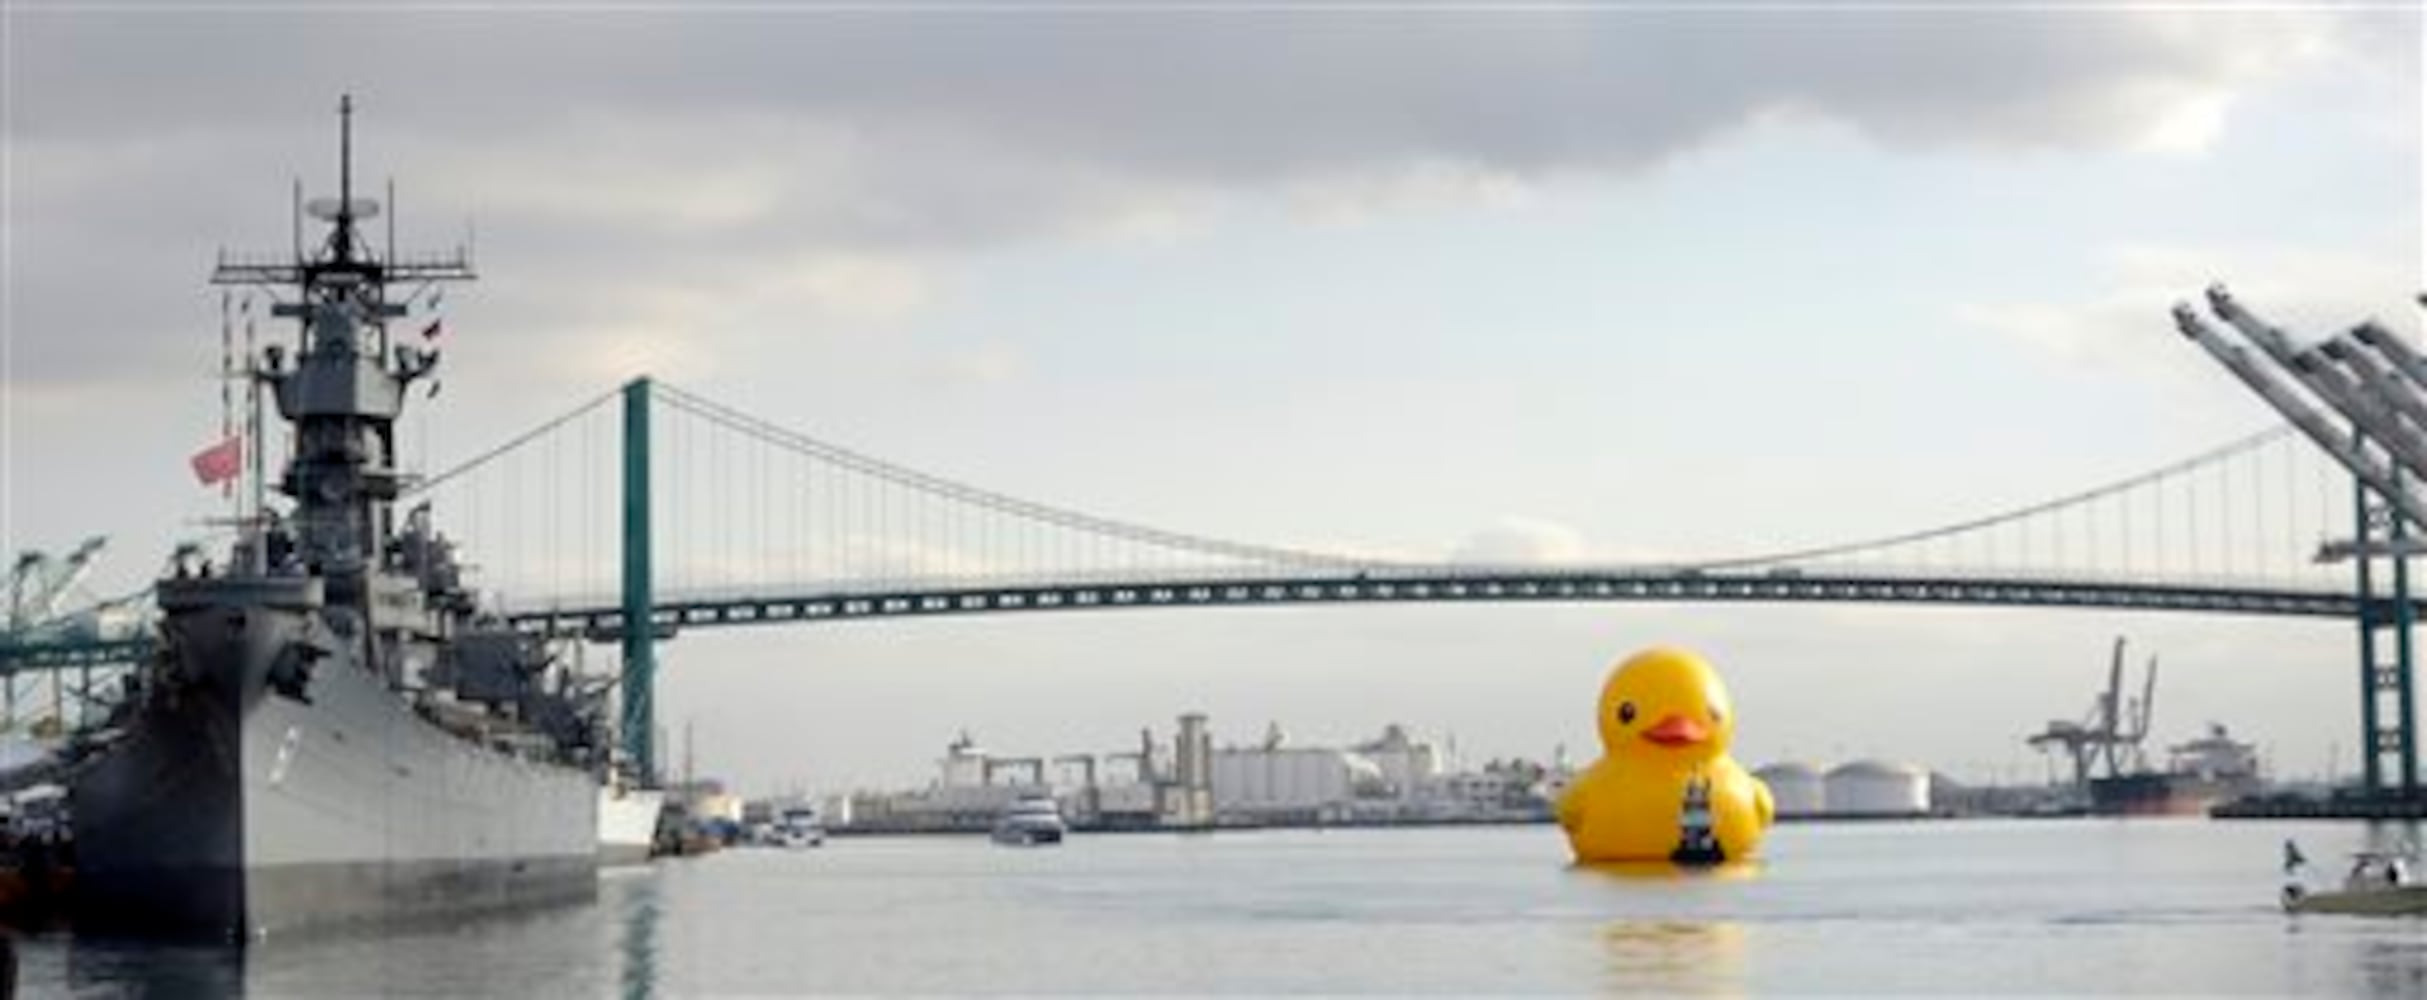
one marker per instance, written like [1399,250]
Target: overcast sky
[1561,281]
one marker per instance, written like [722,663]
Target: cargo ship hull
[2160,795]
[237,806]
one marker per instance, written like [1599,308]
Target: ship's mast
[345,148]
[346,383]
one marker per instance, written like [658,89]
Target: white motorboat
[2379,883]
[799,826]
[1030,821]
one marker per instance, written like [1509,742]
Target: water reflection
[2393,967]
[459,956]
[1663,871]
[636,938]
[2393,836]
[143,969]
[1673,956]
[1670,954]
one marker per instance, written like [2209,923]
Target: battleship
[331,731]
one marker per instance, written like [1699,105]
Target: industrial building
[1188,783]
[967,794]
[1407,763]
[1274,783]
[1150,787]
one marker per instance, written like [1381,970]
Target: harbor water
[2054,906]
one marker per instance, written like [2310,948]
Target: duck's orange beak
[1676,731]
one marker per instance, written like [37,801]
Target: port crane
[2112,730]
[38,583]
[48,607]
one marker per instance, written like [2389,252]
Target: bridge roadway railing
[600,616]
[745,606]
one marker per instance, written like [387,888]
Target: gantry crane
[2113,729]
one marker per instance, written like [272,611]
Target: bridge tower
[639,682]
[2388,731]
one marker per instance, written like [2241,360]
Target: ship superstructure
[332,730]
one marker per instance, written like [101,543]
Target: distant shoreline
[1370,824]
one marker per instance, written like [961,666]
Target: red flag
[432,331]
[220,462]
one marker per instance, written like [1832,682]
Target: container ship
[331,730]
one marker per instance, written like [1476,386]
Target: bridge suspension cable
[2241,446]
[959,492]
[433,482]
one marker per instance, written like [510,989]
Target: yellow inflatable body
[1665,788]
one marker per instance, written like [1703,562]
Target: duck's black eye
[1626,713]
[1718,716]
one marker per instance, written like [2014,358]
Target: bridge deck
[679,611]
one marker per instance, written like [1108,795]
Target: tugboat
[1697,842]
[331,730]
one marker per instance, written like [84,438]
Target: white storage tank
[1795,788]
[1290,783]
[1877,788]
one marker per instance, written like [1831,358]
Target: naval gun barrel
[2336,389]
[2337,445]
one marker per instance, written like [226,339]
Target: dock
[2376,807]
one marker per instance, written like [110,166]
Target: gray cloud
[1189,92]
[618,157]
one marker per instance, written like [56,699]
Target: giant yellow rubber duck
[1665,788]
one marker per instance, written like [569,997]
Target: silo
[1192,758]
[1795,788]
[1877,788]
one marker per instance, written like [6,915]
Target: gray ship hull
[234,810]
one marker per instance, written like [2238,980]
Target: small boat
[1030,821]
[2379,884]
[1697,840]
[799,826]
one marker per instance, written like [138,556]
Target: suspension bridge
[649,510]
